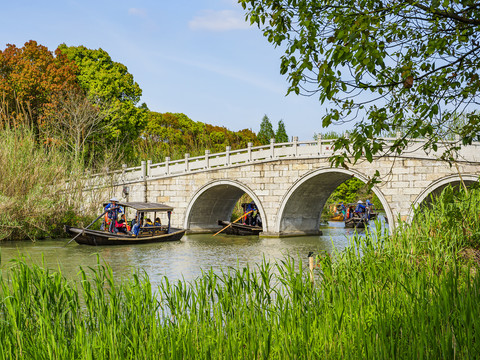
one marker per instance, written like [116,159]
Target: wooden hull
[97,237]
[337,218]
[356,222]
[239,229]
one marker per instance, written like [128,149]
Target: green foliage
[266,131]
[281,134]
[351,191]
[450,221]
[327,135]
[370,62]
[109,82]
[174,135]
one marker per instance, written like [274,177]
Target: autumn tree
[32,79]
[405,66]
[266,131]
[281,134]
[110,83]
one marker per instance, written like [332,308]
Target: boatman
[249,209]
[360,209]
[112,214]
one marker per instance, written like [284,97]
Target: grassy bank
[412,295]
[39,188]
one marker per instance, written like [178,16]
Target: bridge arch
[302,205]
[436,188]
[216,201]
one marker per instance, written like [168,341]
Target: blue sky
[197,57]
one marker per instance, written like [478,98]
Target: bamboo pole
[232,222]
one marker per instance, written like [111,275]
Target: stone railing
[273,151]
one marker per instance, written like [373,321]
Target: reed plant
[382,297]
[450,223]
[359,307]
[34,197]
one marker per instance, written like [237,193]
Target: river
[184,259]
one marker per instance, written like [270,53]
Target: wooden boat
[147,234]
[338,217]
[356,222]
[239,228]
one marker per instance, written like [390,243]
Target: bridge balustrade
[228,158]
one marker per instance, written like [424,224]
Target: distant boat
[338,217]
[239,229]
[356,222]
[147,234]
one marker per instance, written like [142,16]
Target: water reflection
[181,259]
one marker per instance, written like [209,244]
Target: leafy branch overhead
[388,66]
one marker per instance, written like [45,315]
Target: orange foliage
[32,79]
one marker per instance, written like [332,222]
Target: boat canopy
[142,206]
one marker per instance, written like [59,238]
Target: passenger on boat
[136,227]
[350,211]
[148,222]
[121,225]
[134,221]
[158,222]
[112,214]
[343,209]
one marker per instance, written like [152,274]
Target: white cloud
[218,21]
[233,73]
[137,12]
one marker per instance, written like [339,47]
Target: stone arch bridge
[289,182]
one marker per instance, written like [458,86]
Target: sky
[196,57]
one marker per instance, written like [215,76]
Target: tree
[32,80]
[174,135]
[326,136]
[266,131]
[281,134]
[110,83]
[76,122]
[407,66]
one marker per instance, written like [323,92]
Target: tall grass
[362,308]
[383,297]
[450,224]
[34,198]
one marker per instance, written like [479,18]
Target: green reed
[40,188]
[382,297]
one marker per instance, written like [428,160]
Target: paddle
[93,222]
[233,222]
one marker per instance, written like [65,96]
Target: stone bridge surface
[289,182]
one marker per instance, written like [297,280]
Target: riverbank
[410,295]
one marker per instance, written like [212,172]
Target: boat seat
[152,229]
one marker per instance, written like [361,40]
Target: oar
[93,222]
[233,222]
